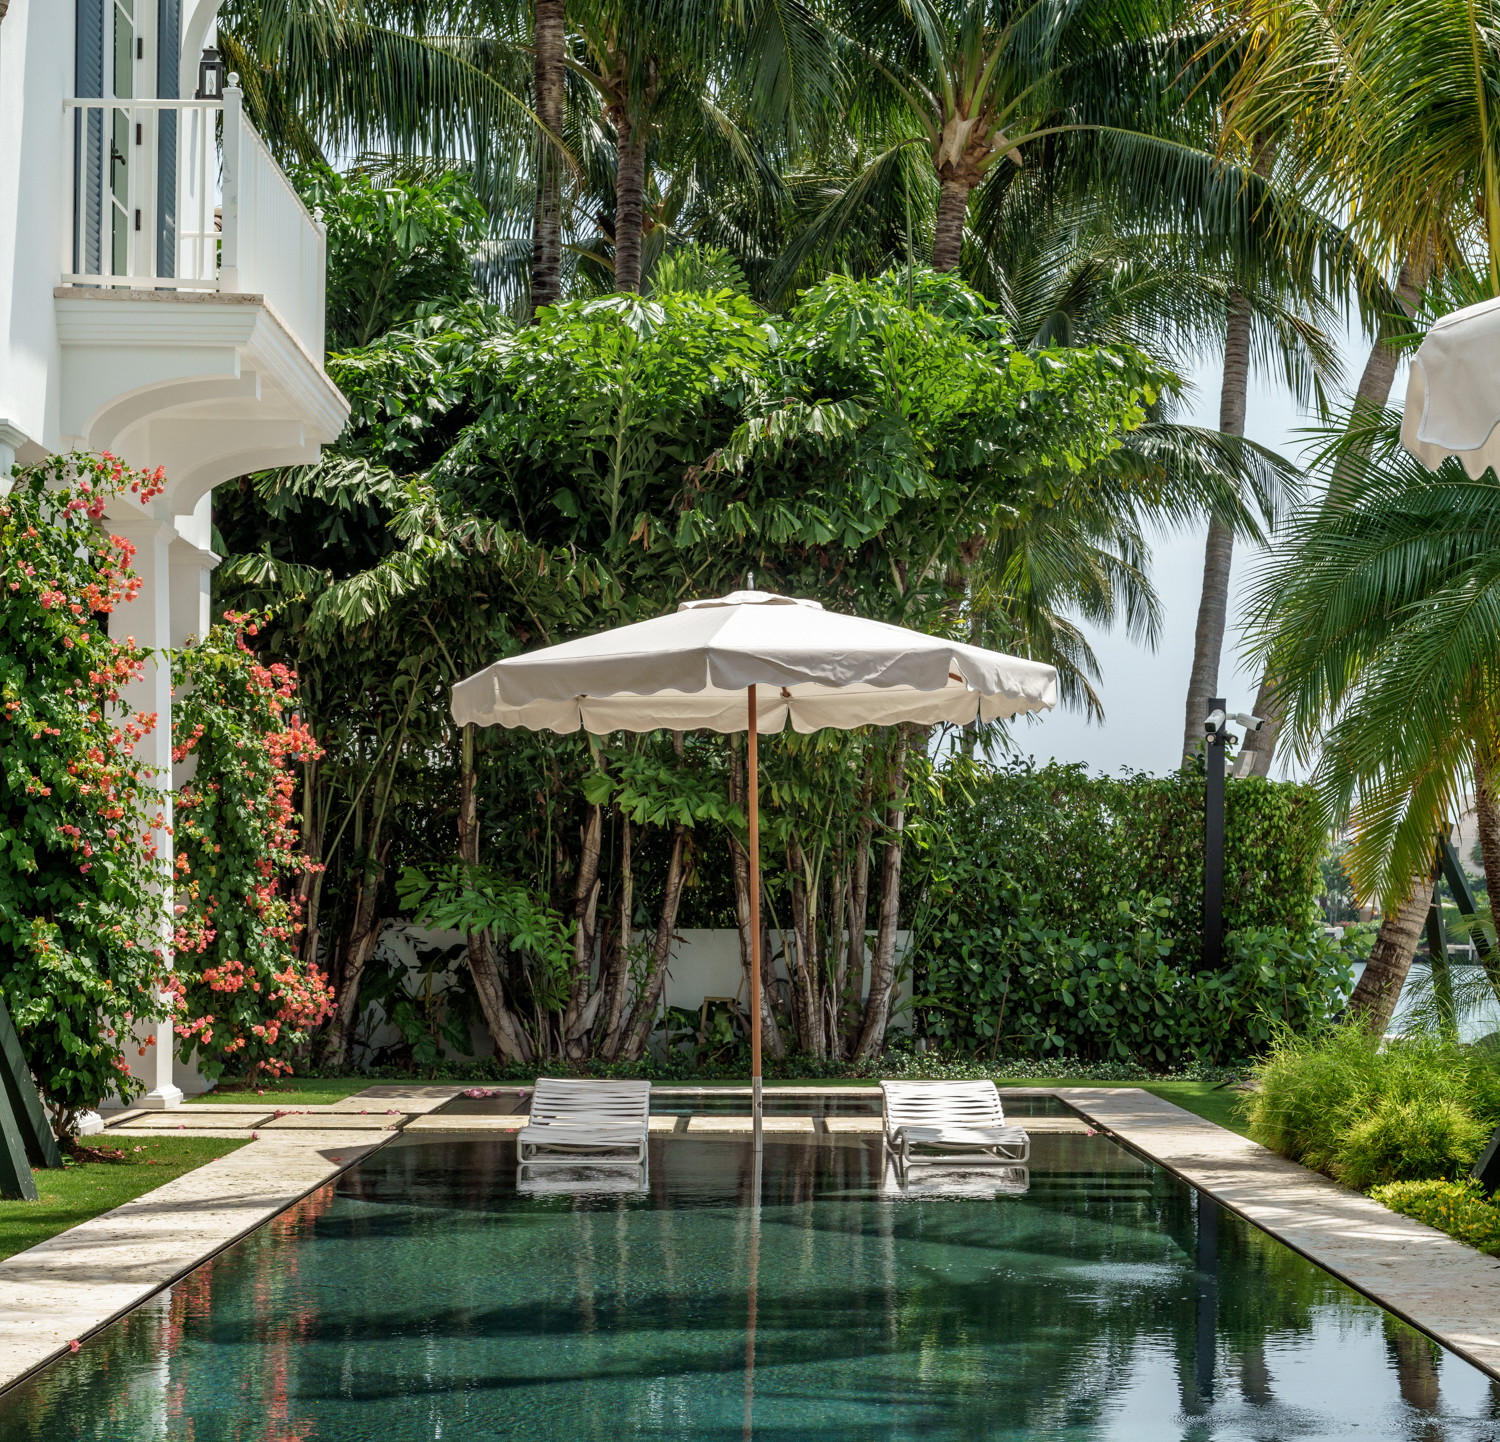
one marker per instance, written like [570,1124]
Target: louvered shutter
[168,73]
[88,139]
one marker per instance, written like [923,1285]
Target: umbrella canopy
[714,664]
[1453,392]
[691,669]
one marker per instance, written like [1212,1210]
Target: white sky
[1143,691]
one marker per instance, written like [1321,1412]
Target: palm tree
[516,95]
[548,43]
[1379,617]
[1386,110]
[978,82]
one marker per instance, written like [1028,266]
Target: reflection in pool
[422,1296]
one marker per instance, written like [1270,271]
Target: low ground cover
[300,1091]
[1403,1121]
[85,1189]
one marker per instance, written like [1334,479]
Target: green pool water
[426,1296]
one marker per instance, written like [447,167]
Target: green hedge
[1061,912]
[1084,843]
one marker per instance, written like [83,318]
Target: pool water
[425,1295]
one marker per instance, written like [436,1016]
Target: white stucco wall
[36,73]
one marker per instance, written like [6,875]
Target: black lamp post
[1213,836]
[210,76]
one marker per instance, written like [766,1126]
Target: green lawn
[296,1091]
[85,1189]
[1207,1099]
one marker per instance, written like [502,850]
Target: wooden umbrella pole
[752,789]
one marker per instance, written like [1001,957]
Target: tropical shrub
[1458,1208]
[1401,1141]
[243,996]
[1114,990]
[395,250]
[1061,912]
[503,486]
[1341,1102]
[1083,842]
[80,940]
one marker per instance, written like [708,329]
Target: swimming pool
[424,1296]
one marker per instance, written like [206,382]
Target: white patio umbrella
[1453,391]
[752,661]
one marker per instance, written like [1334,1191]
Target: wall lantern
[210,76]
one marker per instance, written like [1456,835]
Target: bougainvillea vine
[243,997]
[81,956]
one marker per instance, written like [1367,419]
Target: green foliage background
[1062,913]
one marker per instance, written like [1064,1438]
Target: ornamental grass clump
[1409,1141]
[1369,1112]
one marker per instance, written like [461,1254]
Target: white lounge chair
[950,1122]
[573,1121]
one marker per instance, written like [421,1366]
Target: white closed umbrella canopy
[1453,391]
[691,669]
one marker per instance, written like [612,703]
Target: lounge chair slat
[950,1121]
[567,1115]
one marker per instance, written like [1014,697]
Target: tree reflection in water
[427,1295]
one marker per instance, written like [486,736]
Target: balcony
[190,308]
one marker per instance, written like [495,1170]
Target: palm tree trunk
[1374,999]
[1218,554]
[630,199]
[1487,817]
[548,40]
[952,214]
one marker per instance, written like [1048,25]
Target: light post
[1215,730]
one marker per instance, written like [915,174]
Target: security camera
[1211,724]
[1250,723]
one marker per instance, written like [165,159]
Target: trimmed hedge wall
[1058,911]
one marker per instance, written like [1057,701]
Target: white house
[161,294]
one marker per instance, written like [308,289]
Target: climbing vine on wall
[80,943]
[244,999]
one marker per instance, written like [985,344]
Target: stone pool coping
[81,1280]
[1439,1285]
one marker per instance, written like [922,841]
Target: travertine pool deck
[83,1279]
[1444,1288]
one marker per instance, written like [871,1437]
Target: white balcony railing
[184,195]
